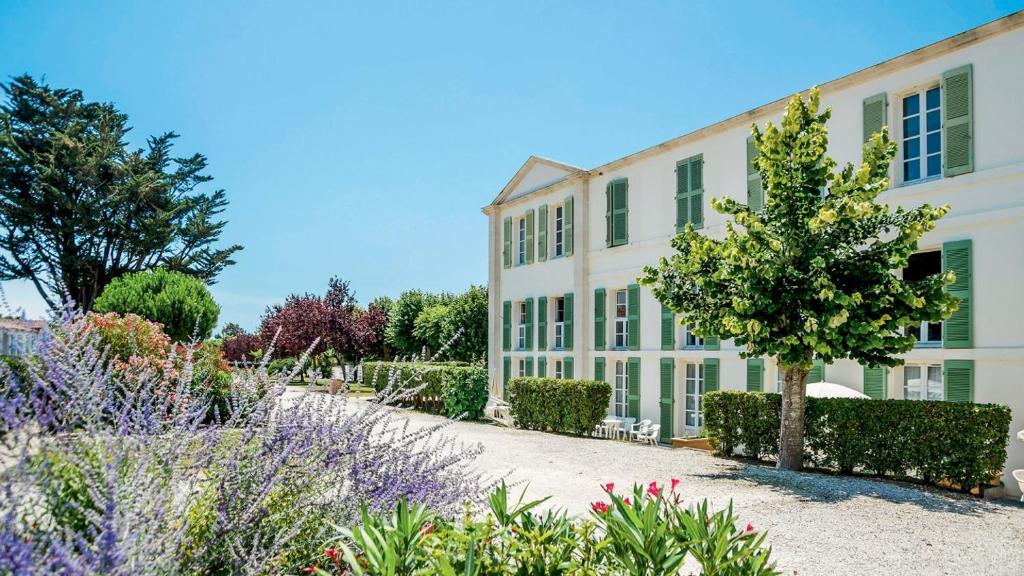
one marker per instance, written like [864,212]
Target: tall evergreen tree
[78,208]
[811,275]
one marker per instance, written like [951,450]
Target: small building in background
[18,336]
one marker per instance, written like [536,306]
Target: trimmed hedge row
[549,404]
[932,441]
[447,388]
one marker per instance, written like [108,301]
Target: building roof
[18,325]
[936,49]
[525,169]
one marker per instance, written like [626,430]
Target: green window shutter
[958,121]
[682,194]
[600,329]
[711,374]
[529,236]
[567,238]
[507,243]
[542,366]
[712,343]
[633,316]
[567,329]
[668,328]
[875,378]
[567,368]
[542,233]
[875,111]
[817,373]
[608,197]
[529,323]
[620,212]
[958,330]
[958,380]
[506,325]
[667,403]
[633,388]
[542,323]
[696,193]
[755,191]
[755,375]
[529,366]
[599,368]
[506,375]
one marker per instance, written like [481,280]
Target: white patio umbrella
[830,390]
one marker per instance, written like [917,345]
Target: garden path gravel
[818,524]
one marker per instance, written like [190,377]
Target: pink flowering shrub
[649,532]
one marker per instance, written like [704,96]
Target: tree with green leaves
[182,303]
[811,274]
[79,208]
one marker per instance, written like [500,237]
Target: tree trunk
[791,434]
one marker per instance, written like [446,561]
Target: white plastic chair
[649,435]
[642,426]
[1018,475]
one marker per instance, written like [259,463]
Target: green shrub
[447,388]
[646,532]
[464,389]
[181,303]
[957,442]
[568,406]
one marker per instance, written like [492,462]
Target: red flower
[750,527]
[675,482]
[599,507]
[309,569]
[428,528]
[627,501]
[331,553]
[609,487]
[653,489]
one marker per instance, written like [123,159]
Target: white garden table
[612,426]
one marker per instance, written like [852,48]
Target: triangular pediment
[535,173]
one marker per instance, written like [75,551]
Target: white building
[18,336]
[567,243]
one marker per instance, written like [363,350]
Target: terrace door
[692,387]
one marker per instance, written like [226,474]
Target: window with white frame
[522,367]
[559,231]
[920,266]
[521,327]
[694,384]
[922,135]
[922,382]
[690,340]
[521,256]
[621,400]
[621,319]
[559,369]
[559,323]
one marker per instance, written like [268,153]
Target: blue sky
[362,139]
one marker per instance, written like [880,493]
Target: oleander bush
[956,442]
[558,405]
[648,532]
[453,389]
[106,475]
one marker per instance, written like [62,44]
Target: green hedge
[569,406]
[447,388]
[957,442]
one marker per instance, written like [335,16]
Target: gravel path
[817,524]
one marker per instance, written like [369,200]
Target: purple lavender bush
[97,477]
